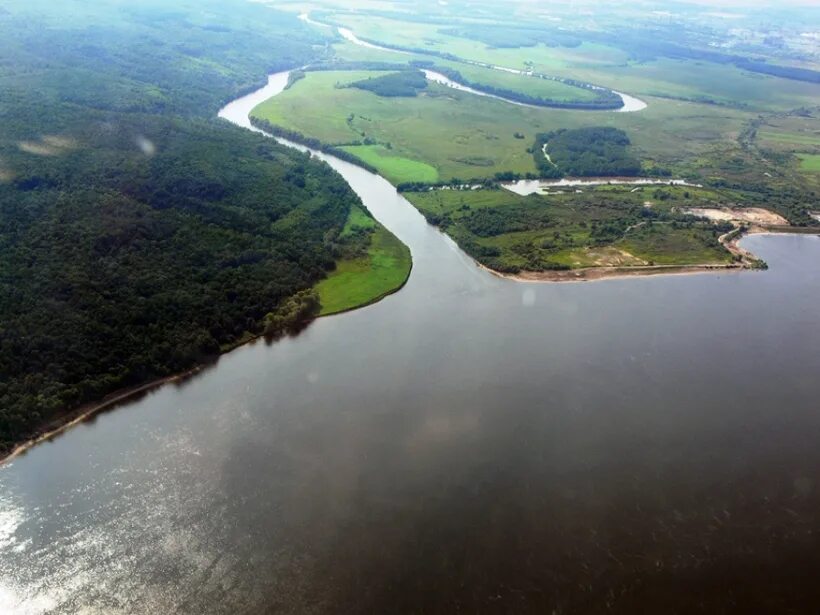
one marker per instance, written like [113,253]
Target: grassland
[466,136]
[809,163]
[793,139]
[381,268]
[457,134]
[533,86]
[395,168]
[666,244]
[603,65]
[430,37]
[770,137]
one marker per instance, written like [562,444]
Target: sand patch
[610,256]
[752,215]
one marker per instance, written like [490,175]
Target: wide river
[469,444]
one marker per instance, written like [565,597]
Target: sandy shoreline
[592,274]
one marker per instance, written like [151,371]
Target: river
[630,103]
[469,444]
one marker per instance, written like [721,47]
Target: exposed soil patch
[751,215]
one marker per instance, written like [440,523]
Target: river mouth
[469,443]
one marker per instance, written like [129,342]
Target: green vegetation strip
[396,169]
[367,278]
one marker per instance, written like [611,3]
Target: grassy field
[467,136]
[788,138]
[430,37]
[455,134]
[796,135]
[394,168]
[809,163]
[367,277]
[607,226]
[533,86]
[603,65]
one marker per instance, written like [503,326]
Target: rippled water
[470,444]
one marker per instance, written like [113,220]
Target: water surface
[470,444]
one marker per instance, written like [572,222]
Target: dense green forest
[139,234]
[585,152]
[404,83]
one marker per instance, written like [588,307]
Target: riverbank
[367,279]
[388,278]
[591,274]
[71,418]
[731,241]
[627,103]
[85,412]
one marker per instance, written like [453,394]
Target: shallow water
[468,444]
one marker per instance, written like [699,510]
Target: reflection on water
[469,444]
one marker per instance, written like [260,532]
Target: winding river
[469,444]
[630,103]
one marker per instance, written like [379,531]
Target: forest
[585,152]
[404,83]
[139,235]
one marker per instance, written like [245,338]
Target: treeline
[138,234]
[407,83]
[649,44]
[147,57]
[312,142]
[491,222]
[585,152]
[605,99]
[293,77]
[118,268]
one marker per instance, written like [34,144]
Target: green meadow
[533,86]
[451,133]
[395,168]
[596,63]
[461,135]
[809,163]
[380,269]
